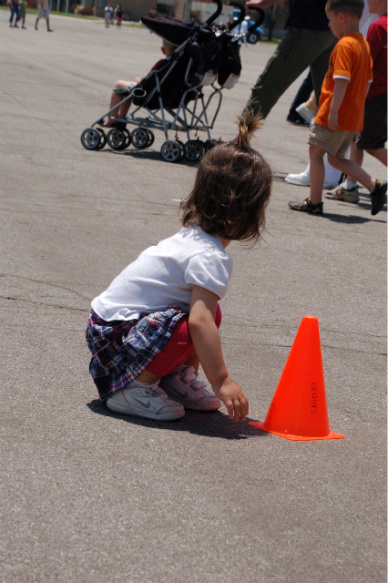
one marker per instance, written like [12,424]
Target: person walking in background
[119,13]
[15,13]
[23,12]
[43,12]
[308,42]
[108,13]
[373,137]
[341,107]
[332,175]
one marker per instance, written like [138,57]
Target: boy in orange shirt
[341,107]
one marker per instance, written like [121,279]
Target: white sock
[349,185]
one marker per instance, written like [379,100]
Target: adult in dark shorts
[373,137]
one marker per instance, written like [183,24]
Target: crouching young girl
[159,319]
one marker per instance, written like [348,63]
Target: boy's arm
[207,344]
[339,91]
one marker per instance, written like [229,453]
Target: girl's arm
[207,344]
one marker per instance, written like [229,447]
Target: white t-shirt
[164,274]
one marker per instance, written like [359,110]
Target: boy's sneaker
[307,206]
[378,196]
[145,400]
[342,193]
[184,386]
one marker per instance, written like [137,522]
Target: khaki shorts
[334,143]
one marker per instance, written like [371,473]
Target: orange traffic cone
[298,410]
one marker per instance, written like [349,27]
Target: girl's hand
[234,399]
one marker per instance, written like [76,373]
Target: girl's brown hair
[232,187]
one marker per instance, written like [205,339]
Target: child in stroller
[120,107]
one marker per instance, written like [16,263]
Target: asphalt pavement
[92,497]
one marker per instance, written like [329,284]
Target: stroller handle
[216,14]
[259,20]
[240,17]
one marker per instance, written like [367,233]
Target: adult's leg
[320,64]
[302,96]
[380,154]
[296,52]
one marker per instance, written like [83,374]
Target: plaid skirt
[121,350]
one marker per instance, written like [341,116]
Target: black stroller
[172,97]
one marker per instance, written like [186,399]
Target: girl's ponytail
[232,187]
[247,123]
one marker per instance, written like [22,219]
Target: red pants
[177,349]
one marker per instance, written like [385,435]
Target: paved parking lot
[92,497]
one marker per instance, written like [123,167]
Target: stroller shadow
[149,155]
[208,424]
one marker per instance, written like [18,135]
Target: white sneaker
[145,401]
[184,386]
[307,114]
[303,179]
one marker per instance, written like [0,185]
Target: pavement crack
[42,282]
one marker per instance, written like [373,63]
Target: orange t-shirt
[350,60]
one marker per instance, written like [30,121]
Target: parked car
[254,34]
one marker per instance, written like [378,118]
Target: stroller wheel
[151,138]
[171,151]
[141,138]
[128,138]
[102,139]
[90,139]
[183,153]
[116,139]
[194,150]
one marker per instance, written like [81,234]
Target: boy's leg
[352,169]
[377,188]
[313,204]
[317,173]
